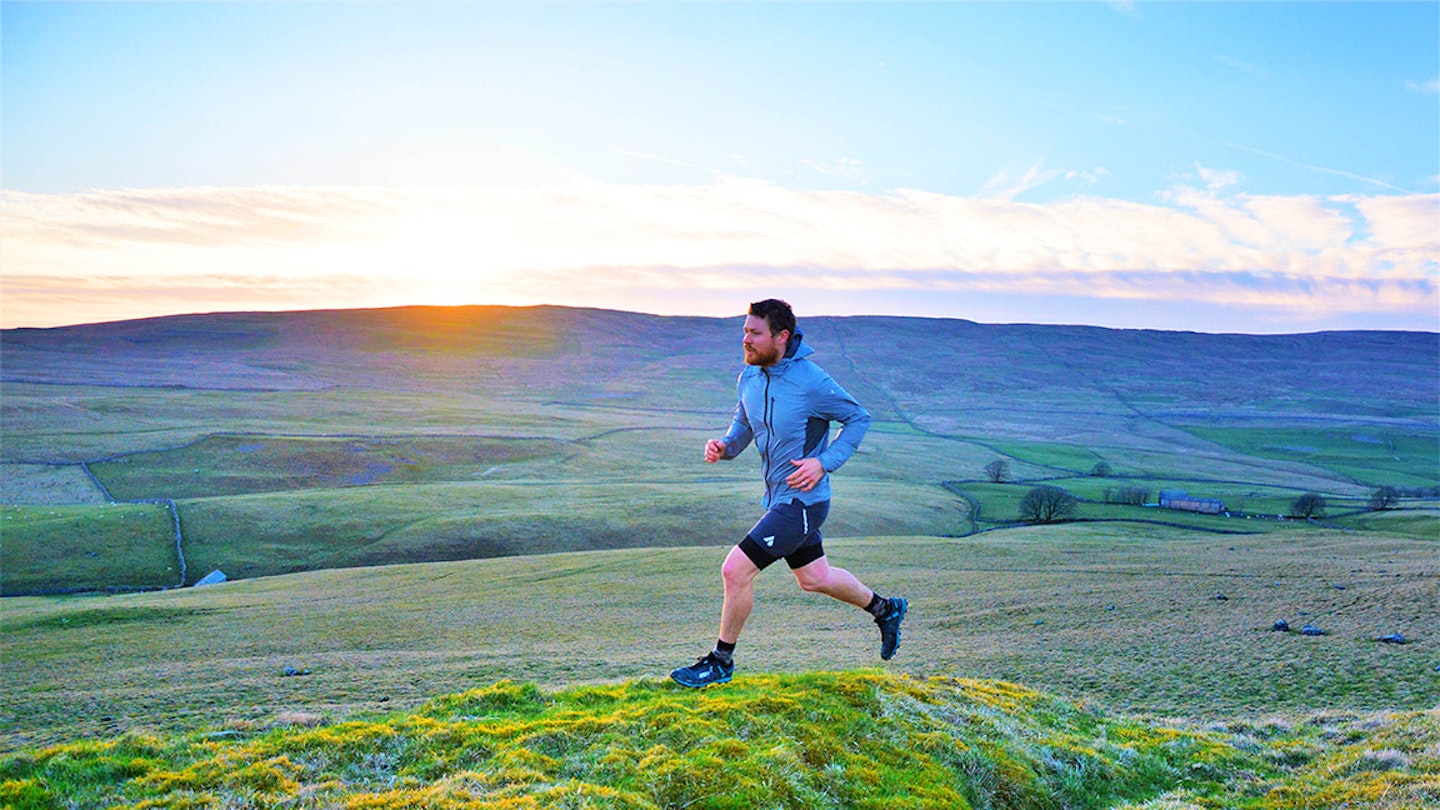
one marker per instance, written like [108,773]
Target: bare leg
[739,574]
[819,577]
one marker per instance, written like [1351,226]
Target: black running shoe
[705,672]
[890,627]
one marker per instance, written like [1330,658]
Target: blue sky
[1254,167]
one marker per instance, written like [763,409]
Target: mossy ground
[857,739]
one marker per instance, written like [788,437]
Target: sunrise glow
[906,169]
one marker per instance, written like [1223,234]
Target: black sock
[879,606]
[724,650]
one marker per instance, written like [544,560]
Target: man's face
[763,347]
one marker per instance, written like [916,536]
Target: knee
[737,574]
[810,582]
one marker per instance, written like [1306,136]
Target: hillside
[283,442]
[1115,615]
[949,375]
[833,740]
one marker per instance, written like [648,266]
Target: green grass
[260,505]
[244,465]
[1126,618]
[71,548]
[820,740]
[1419,522]
[1052,455]
[260,535]
[1371,455]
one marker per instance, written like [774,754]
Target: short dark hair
[776,313]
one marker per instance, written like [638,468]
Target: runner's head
[777,313]
[768,328]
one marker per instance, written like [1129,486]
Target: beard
[755,356]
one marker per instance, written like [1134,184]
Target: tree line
[1047,503]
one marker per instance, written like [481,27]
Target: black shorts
[789,531]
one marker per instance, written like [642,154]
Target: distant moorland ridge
[929,370]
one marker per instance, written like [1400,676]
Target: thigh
[740,566]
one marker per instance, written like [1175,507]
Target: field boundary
[173,507]
[169,504]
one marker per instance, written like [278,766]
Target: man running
[786,406]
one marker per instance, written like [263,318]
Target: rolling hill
[283,442]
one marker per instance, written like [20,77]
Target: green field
[1372,455]
[1418,522]
[1127,619]
[260,504]
[243,465]
[1055,457]
[416,504]
[82,548]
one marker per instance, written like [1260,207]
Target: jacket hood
[796,349]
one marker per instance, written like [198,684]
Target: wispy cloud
[110,254]
[844,167]
[1318,169]
[1007,185]
[1431,87]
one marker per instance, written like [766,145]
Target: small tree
[1308,505]
[1384,498]
[997,470]
[1047,504]
[1101,470]
[1134,496]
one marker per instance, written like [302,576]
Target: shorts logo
[769,541]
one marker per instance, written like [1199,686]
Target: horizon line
[800,319]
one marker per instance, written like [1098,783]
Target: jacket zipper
[769,434]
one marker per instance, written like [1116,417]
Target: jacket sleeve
[738,437]
[835,404]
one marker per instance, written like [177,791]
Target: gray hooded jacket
[786,409]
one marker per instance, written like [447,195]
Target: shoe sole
[904,608]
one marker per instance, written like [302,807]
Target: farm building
[1175,499]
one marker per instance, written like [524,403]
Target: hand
[714,451]
[808,472]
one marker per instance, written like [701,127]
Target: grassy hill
[306,440]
